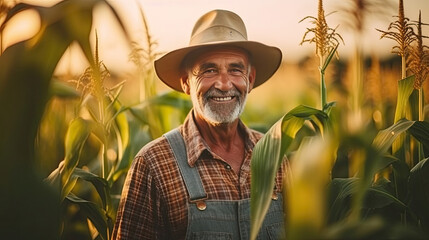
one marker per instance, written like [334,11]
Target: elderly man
[194,182]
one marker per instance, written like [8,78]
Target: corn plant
[418,63]
[363,204]
[143,57]
[355,16]
[326,40]
[27,70]
[269,151]
[116,128]
[100,103]
[402,32]
[268,155]
[159,112]
[123,129]
[404,36]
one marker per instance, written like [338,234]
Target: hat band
[217,34]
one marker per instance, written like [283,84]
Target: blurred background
[274,22]
[167,25]
[122,96]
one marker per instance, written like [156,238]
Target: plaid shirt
[154,198]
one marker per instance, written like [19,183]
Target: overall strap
[190,174]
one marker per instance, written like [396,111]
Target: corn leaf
[339,194]
[76,136]
[401,173]
[62,90]
[371,228]
[419,191]
[268,155]
[374,164]
[54,178]
[420,130]
[98,130]
[172,99]
[93,213]
[305,192]
[329,58]
[138,138]
[341,191]
[405,89]
[328,107]
[124,131]
[380,195]
[385,138]
[99,183]
[26,70]
[413,112]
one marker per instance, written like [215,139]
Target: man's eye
[236,71]
[210,71]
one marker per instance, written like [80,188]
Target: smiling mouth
[222,99]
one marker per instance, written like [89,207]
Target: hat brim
[265,59]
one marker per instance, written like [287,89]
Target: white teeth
[220,99]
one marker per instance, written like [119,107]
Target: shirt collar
[196,145]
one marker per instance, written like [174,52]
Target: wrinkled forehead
[201,55]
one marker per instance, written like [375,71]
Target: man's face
[218,82]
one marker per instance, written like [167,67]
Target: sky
[273,22]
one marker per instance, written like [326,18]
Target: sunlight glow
[21,27]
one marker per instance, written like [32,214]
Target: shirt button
[227,166]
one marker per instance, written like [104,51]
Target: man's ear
[252,77]
[184,81]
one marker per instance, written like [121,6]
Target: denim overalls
[220,219]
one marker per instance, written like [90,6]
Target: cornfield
[357,142]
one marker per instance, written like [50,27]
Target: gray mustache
[219,93]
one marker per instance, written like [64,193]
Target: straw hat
[219,28]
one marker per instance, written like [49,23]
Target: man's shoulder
[156,158]
[154,149]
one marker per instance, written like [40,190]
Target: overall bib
[220,219]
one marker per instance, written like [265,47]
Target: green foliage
[26,70]
[386,197]
[351,202]
[27,73]
[419,192]
[385,193]
[268,155]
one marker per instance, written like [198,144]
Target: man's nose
[223,82]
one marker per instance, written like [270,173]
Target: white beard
[219,113]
